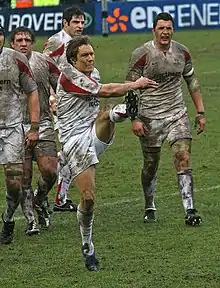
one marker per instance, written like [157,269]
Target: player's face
[85,59]
[163,32]
[75,27]
[23,43]
[2,39]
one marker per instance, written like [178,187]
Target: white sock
[85,220]
[118,113]
[64,182]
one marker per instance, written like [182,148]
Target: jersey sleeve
[188,69]
[27,82]
[136,64]
[79,84]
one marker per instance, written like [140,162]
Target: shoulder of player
[69,71]
[38,58]
[142,50]
[17,55]
[180,46]
[53,43]
[41,56]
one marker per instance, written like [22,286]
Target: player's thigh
[104,128]
[101,146]
[181,146]
[179,129]
[80,152]
[85,181]
[12,145]
[155,133]
[13,170]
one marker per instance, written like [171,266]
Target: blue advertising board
[138,16]
[123,17]
[44,21]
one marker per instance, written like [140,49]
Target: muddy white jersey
[55,47]
[15,76]
[77,102]
[46,74]
[167,70]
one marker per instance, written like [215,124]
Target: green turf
[166,254]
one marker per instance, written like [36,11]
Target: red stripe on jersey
[68,86]
[186,55]
[23,68]
[53,68]
[141,62]
[93,80]
[57,52]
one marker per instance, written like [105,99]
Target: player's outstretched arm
[118,90]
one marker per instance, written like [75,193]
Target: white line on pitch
[132,200]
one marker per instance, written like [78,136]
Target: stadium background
[167,254]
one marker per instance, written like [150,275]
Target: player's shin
[13,194]
[27,203]
[64,182]
[12,202]
[149,181]
[85,220]
[45,183]
[185,182]
[149,175]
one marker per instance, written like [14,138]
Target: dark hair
[69,12]
[73,47]
[162,16]
[22,29]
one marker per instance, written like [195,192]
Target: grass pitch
[163,255]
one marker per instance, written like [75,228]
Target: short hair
[162,16]
[73,47]
[22,29]
[69,12]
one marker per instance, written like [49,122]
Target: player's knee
[182,160]
[103,114]
[13,175]
[151,162]
[88,199]
[49,174]
[27,179]
[181,154]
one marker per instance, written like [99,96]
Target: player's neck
[66,32]
[162,48]
[29,56]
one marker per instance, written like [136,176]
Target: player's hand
[144,82]
[138,128]
[200,121]
[31,139]
[53,108]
